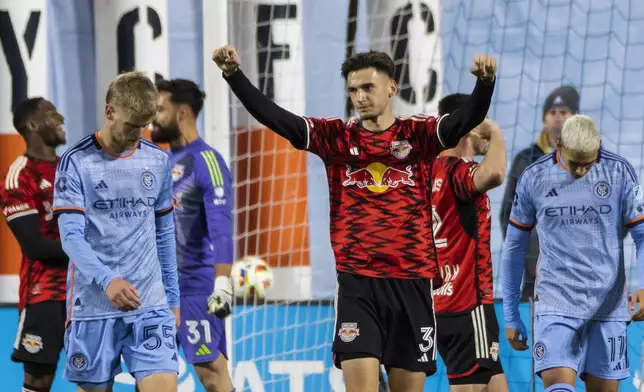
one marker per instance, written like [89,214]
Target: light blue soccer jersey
[581,224]
[119,197]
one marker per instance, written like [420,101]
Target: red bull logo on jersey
[378,178]
[348,332]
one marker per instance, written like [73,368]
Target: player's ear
[183,112]
[109,112]
[31,125]
[393,88]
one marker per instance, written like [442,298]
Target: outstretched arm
[286,124]
[454,126]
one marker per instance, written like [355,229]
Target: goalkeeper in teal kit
[582,200]
[113,196]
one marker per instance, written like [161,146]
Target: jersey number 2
[437,223]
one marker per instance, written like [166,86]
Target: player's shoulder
[19,174]
[313,123]
[86,145]
[206,155]
[617,163]
[154,150]
[419,119]
[540,166]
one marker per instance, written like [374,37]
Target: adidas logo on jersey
[44,184]
[552,193]
[203,350]
[101,185]
[424,358]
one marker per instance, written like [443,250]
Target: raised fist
[226,59]
[484,67]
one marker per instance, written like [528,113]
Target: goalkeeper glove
[220,301]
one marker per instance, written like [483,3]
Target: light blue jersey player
[113,195]
[582,200]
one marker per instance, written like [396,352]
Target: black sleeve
[26,229]
[519,164]
[281,121]
[460,122]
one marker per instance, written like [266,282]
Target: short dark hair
[23,112]
[372,59]
[451,103]
[183,92]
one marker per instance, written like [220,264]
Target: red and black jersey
[461,218]
[28,189]
[378,185]
[378,181]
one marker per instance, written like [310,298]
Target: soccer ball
[252,277]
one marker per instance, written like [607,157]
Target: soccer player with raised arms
[582,200]
[113,195]
[379,170]
[204,224]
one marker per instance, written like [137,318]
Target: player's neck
[42,152]
[380,123]
[188,135]
[108,143]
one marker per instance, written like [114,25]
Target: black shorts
[469,345]
[389,319]
[41,332]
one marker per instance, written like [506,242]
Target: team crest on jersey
[78,361]
[148,181]
[32,343]
[539,351]
[602,190]
[400,149]
[378,177]
[348,332]
[494,351]
[177,172]
[637,191]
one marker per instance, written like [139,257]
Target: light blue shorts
[147,342]
[589,347]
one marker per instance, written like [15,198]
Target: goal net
[292,50]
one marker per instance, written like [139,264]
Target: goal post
[292,50]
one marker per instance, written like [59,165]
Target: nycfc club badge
[602,190]
[539,351]
[148,181]
[78,362]
[400,149]
[348,332]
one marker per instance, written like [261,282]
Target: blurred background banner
[69,50]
